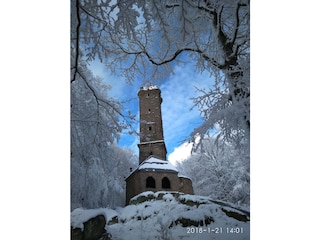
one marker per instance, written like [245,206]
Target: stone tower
[151,131]
[154,172]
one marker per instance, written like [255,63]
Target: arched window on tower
[165,183]
[150,182]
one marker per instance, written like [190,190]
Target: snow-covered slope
[171,215]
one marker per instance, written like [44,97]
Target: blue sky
[176,91]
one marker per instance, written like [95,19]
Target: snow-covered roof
[155,163]
[183,176]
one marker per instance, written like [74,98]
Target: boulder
[94,229]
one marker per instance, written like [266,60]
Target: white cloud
[180,153]
[178,120]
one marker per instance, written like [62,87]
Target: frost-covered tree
[220,170]
[98,166]
[145,39]
[100,181]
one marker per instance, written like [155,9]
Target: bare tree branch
[77,39]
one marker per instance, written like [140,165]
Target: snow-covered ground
[162,215]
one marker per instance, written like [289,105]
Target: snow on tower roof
[149,87]
[155,163]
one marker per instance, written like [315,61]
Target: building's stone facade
[160,175]
[137,182]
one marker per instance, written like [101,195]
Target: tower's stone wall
[151,130]
[157,149]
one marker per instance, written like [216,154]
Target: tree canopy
[142,40]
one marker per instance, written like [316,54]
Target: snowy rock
[187,222]
[167,215]
[142,197]
[94,229]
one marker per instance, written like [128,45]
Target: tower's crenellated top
[149,87]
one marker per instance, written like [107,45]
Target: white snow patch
[183,176]
[155,163]
[195,198]
[144,194]
[150,87]
[168,197]
[80,215]
[159,219]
